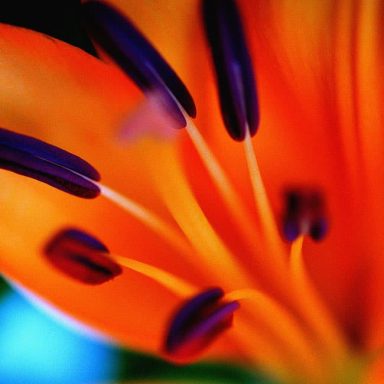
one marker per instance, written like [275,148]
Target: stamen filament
[272,267]
[287,331]
[311,306]
[236,207]
[215,257]
[148,218]
[218,175]
[262,203]
[173,283]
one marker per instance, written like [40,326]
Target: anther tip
[291,230]
[197,323]
[304,214]
[119,38]
[318,229]
[233,67]
[81,256]
[47,163]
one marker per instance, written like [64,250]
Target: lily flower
[239,211]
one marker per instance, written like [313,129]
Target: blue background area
[35,349]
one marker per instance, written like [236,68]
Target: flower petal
[81,113]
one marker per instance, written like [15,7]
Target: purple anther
[291,228]
[81,257]
[136,56]
[33,158]
[197,323]
[233,67]
[318,229]
[304,214]
[294,202]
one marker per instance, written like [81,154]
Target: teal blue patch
[57,359]
[35,349]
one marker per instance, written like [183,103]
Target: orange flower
[193,210]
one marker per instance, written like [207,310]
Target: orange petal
[308,134]
[81,112]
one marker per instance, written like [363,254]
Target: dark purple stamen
[81,256]
[318,229]
[33,158]
[233,67]
[291,228]
[197,323]
[122,41]
[304,214]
